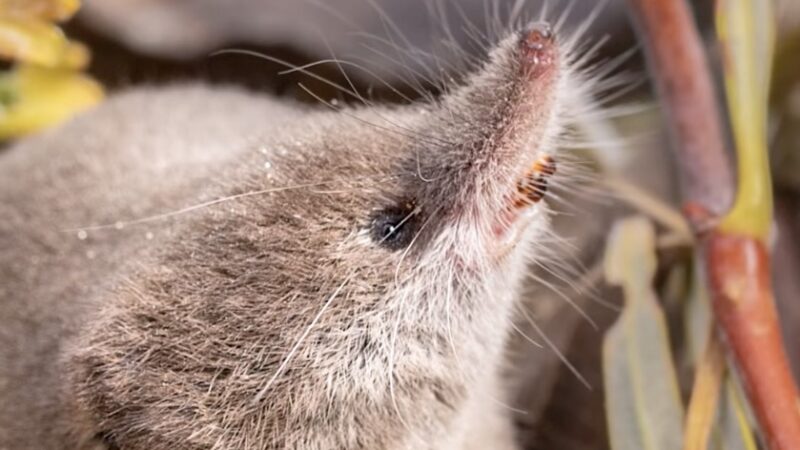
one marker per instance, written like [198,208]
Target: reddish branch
[737,266]
[740,281]
[684,80]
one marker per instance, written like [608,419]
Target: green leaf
[643,404]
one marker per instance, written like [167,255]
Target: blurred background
[143,40]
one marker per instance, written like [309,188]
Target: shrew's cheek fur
[268,315]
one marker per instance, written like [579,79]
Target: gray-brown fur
[193,331]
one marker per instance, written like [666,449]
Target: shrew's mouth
[533,185]
[538,55]
[530,190]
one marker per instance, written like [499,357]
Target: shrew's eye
[395,227]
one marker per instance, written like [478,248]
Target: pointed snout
[538,49]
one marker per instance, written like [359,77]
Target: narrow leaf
[705,396]
[643,403]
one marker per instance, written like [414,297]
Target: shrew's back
[143,153]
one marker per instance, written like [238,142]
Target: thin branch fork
[737,264]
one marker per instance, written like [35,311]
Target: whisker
[525,335]
[196,207]
[364,121]
[333,84]
[413,241]
[300,340]
[556,350]
[392,350]
[566,298]
[342,62]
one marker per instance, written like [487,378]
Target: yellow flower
[33,97]
[39,42]
[51,10]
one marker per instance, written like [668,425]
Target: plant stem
[683,78]
[736,262]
